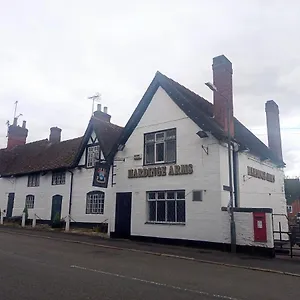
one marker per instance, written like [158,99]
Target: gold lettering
[145,172]
[171,170]
[163,171]
[152,172]
[190,169]
[184,169]
[130,173]
[158,171]
[140,173]
[177,170]
[135,173]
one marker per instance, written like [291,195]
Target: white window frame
[58,178]
[33,180]
[92,155]
[95,202]
[165,199]
[29,201]
[157,140]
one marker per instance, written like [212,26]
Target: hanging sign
[101,174]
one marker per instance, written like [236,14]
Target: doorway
[56,207]
[10,205]
[123,215]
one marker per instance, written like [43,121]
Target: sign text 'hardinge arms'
[160,171]
[260,174]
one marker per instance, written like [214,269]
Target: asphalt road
[36,268]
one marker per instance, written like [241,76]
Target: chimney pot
[105,109]
[15,121]
[55,135]
[24,124]
[98,107]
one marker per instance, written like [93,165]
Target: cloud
[55,54]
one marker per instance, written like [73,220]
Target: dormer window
[160,147]
[92,156]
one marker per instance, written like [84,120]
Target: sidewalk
[280,264]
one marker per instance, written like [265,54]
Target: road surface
[37,268]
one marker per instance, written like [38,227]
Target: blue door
[56,207]
[10,204]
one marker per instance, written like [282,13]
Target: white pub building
[167,170]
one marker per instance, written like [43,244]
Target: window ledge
[166,223]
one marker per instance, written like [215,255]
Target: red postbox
[260,227]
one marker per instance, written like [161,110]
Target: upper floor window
[289,209]
[33,180]
[58,178]
[160,147]
[95,202]
[29,201]
[92,156]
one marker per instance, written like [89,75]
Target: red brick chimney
[222,80]
[102,115]
[55,135]
[273,126]
[16,135]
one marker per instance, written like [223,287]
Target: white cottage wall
[42,195]
[203,219]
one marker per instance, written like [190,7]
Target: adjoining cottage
[168,169]
[51,176]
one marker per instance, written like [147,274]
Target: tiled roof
[38,156]
[43,155]
[201,112]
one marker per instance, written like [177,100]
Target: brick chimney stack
[222,80]
[273,126]
[102,115]
[55,135]
[16,135]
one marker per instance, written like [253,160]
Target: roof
[107,133]
[45,156]
[201,112]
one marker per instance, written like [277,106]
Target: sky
[55,54]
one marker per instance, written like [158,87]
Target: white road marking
[155,283]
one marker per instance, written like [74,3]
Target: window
[289,209]
[95,203]
[92,155]
[29,201]
[198,195]
[166,206]
[58,178]
[33,180]
[160,147]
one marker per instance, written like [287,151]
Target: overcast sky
[54,54]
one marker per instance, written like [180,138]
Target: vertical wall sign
[101,174]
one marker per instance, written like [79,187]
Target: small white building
[169,170]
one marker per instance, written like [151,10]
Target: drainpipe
[71,191]
[236,181]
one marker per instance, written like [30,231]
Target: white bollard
[23,219]
[67,223]
[108,228]
[34,221]
[1,217]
